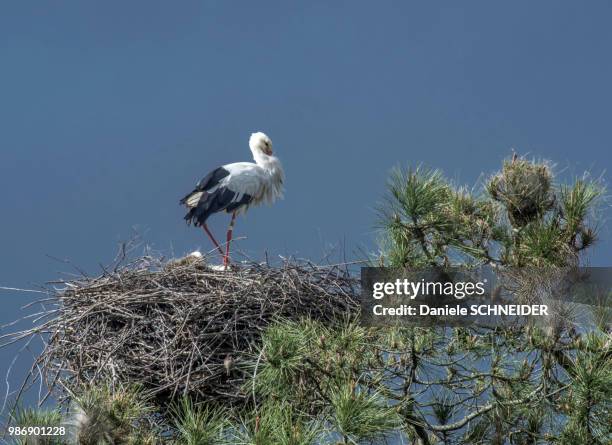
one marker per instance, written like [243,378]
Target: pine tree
[460,386]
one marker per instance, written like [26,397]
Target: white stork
[233,188]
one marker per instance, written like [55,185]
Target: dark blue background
[110,111]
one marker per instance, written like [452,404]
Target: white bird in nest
[233,188]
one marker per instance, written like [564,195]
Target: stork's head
[260,143]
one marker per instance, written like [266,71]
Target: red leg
[212,238]
[230,230]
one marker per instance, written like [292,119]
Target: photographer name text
[457,310]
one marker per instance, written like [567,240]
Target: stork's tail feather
[196,217]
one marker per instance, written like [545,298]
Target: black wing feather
[207,182]
[222,198]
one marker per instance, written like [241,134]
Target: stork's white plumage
[233,188]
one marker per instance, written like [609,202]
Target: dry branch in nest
[170,326]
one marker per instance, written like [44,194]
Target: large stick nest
[172,327]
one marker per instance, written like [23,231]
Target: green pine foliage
[544,384]
[358,414]
[275,422]
[197,425]
[521,218]
[30,417]
[106,415]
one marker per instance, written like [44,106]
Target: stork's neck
[274,173]
[273,178]
[268,163]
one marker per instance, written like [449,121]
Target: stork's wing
[228,188]
[208,182]
[212,179]
[244,178]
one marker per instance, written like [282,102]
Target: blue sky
[110,111]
